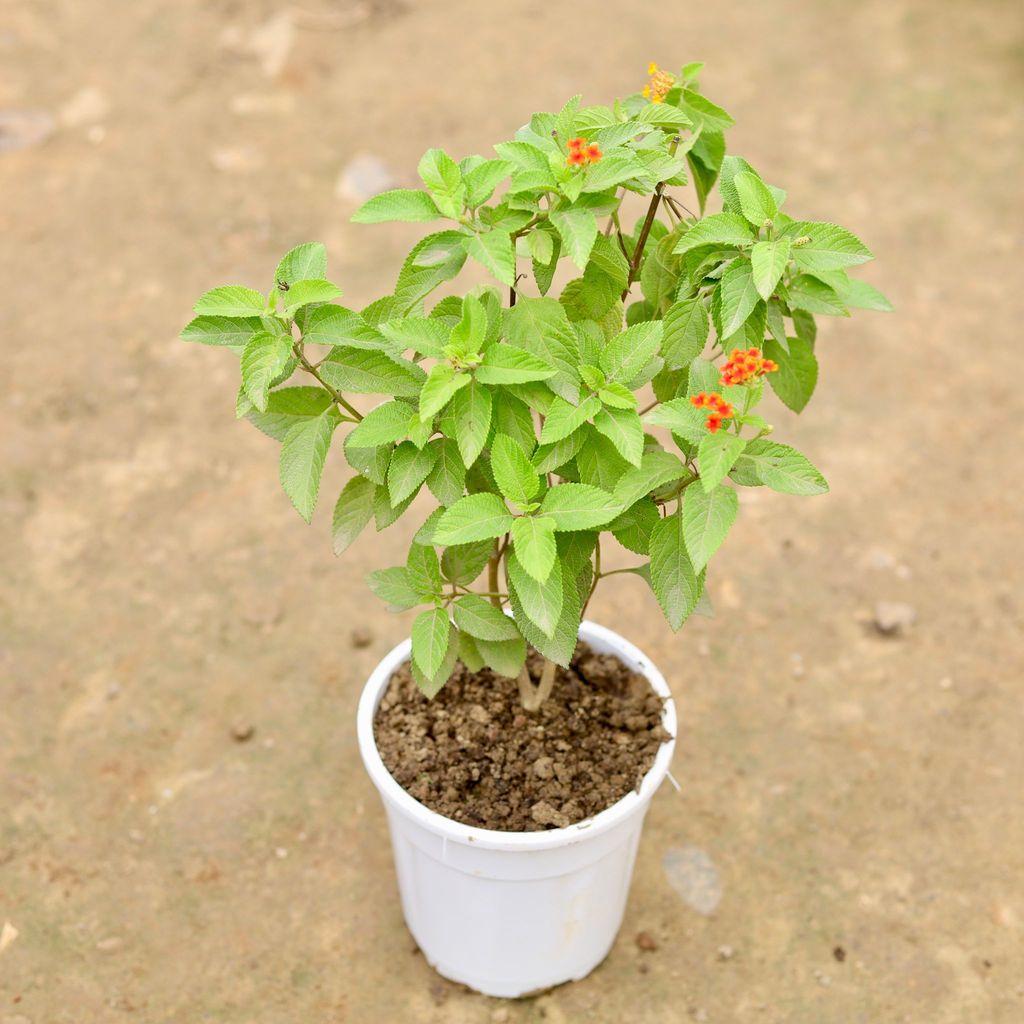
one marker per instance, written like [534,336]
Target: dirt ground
[848,843]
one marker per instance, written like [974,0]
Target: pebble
[726,952]
[109,945]
[544,814]
[646,942]
[363,177]
[361,637]
[7,935]
[693,875]
[542,768]
[86,107]
[500,1016]
[22,129]
[893,617]
[242,732]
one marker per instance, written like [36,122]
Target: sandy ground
[848,845]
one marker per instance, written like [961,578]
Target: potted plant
[544,420]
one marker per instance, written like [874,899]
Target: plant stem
[532,697]
[492,575]
[337,396]
[641,242]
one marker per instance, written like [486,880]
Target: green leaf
[493,251]
[768,261]
[423,570]
[707,518]
[304,262]
[681,418]
[468,420]
[301,293]
[598,462]
[386,424]
[431,686]
[421,334]
[401,204]
[480,619]
[718,229]
[623,428]
[409,467]
[353,510]
[703,113]
[675,583]
[474,517]
[263,358]
[577,228]
[628,353]
[611,171]
[516,478]
[303,453]
[541,327]
[739,297]
[550,457]
[540,602]
[656,469]
[828,246]
[506,364]
[797,374]
[439,172]
[578,507]
[431,632]
[468,335]
[756,202]
[336,325]
[541,246]
[806,292]
[633,528]
[384,513]
[483,179]
[447,480]
[442,384]
[221,330]
[563,418]
[781,468]
[686,332]
[718,454]
[231,300]
[393,587]
[861,295]
[367,372]
[505,657]
[288,406]
[463,563]
[617,396]
[534,543]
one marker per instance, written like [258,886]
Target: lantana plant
[544,422]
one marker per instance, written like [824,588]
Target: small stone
[7,935]
[500,1016]
[242,732]
[544,814]
[87,106]
[699,1015]
[726,952]
[839,954]
[945,683]
[479,714]
[646,942]
[280,853]
[361,637]
[363,177]
[893,617]
[109,945]
[22,129]
[543,767]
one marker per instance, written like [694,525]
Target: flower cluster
[661,82]
[718,409]
[746,365]
[580,152]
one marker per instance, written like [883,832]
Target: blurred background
[186,833]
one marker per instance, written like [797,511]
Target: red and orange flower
[744,365]
[719,410]
[582,152]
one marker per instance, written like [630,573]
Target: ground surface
[847,845]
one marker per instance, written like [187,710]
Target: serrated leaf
[505,657]
[440,388]
[422,334]
[463,563]
[656,469]
[756,201]
[263,359]
[494,252]
[335,325]
[230,300]
[828,246]
[431,686]
[423,570]
[221,330]
[304,262]
[628,353]
[781,468]
[739,297]
[676,584]
[679,416]
[367,372]
[401,204]
[480,619]
[718,454]
[506,364]
[408,469]
[633,528]
[352,511]
[439,172]
[797,375]
[431,632]
[301,293]
[540,602]
[578,507]
[286,407]
[686,332]
[768,263]
[534,542]
[392,586]
[541,327]
[623,428]
[468,420]
[483,179]
[808,293]
[386,424]
[303,453]
[727,229]
[611,171]
[516,478]
[577,228]
[563,418]
[447,480]
[474,517]
[707,518]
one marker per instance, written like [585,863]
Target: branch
[336,395]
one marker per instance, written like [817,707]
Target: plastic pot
[511,913]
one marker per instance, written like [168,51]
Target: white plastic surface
[508,913]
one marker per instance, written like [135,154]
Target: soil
[840,787]
[474,755]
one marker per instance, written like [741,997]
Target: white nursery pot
[509,913]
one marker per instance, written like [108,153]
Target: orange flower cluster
[719,409]
[745,365]
[661,82]
[580,153]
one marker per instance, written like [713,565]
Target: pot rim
[493,839]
